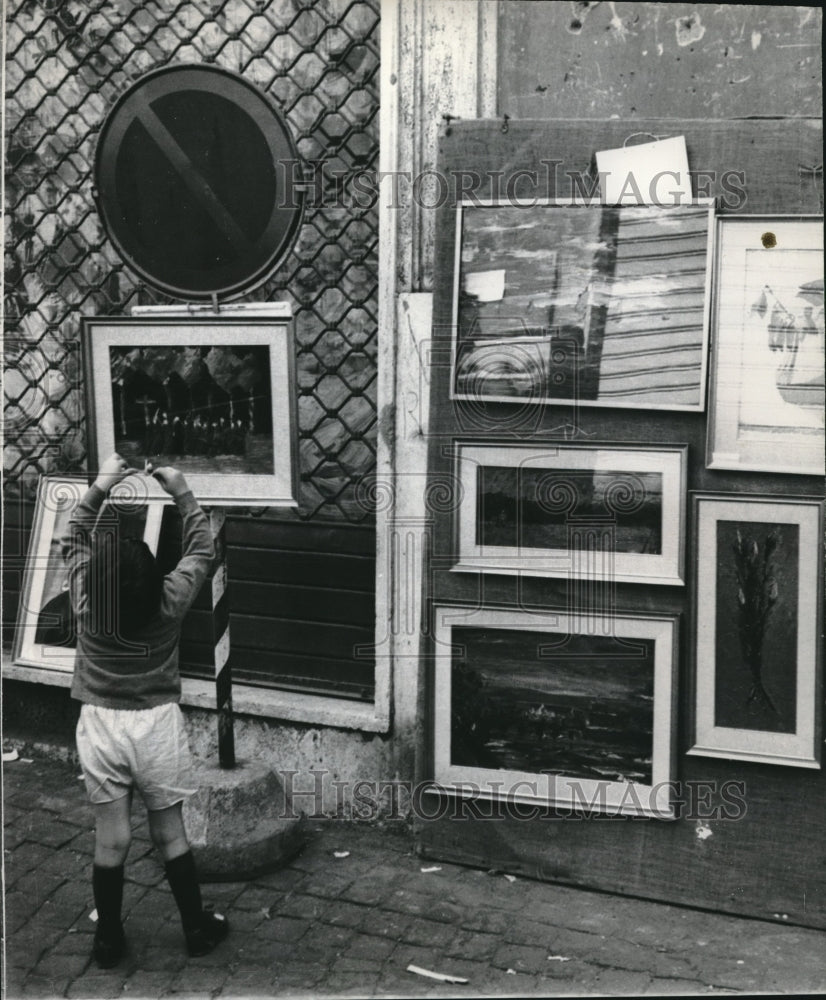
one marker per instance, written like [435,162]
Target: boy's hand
[171,479]
[112,471]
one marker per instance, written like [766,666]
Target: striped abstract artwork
[605,305]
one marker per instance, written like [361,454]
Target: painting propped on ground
[548,707]
[46,635]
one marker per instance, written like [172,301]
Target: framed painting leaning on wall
[766,410]
[45,634]
[548,708]
[756,626]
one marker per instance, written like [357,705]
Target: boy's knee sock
[107,887]
[183,881]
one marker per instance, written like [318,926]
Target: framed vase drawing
[213,396]
[767,399]
[607,512]
[45,635]
[758,603]
[601,304]
[537,706]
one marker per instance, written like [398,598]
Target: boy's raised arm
[181,586]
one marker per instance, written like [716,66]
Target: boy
[131,732]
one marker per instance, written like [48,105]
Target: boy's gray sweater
[142,672]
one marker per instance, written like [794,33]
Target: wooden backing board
[772,861]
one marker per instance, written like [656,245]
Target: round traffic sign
[198,182]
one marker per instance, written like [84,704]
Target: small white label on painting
[651,173]
[486,286]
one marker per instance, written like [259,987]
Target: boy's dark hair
[124,584]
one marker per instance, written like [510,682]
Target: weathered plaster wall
[680,60]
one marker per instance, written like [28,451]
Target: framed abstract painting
[602,304]
[758,605]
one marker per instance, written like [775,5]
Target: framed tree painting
[609,512]
[767,387]
[544,707]
[214,397]
[758,603]
[45,634]
[601,304]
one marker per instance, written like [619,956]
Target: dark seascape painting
[756,626]
[534,508]
[204,409]
[584,709]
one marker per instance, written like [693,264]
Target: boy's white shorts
[147,748]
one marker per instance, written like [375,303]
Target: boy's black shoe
[212,931]
[108,949]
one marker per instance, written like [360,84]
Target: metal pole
[221,640]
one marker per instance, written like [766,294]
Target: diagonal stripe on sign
[197,184]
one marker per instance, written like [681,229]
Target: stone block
[240,823]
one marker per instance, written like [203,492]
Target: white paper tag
[651,173]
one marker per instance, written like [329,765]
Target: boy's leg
[112,837]
[203,930]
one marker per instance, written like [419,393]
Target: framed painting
[766,409]
[215,397]
[609,512]
[604,305]
[535,707]
[45,635]
[758,601]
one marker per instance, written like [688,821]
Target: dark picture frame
[214,396]
[543,707]
[756,630]
[602,305]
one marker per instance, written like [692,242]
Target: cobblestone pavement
[331,926]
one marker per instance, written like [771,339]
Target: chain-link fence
[66,62]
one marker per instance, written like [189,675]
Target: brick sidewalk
[327,926]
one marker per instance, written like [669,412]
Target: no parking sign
[198,182]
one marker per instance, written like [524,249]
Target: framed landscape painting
[605,305]
[531,707]
[45,635]
[608,512]
[758,605]
[214,397]
[767,387]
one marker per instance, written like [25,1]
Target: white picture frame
[766,409]
[538,688]
[244,376]
[43,634]
[542,291]
[757,700]
[609,512]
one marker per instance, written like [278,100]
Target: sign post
[221,639]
